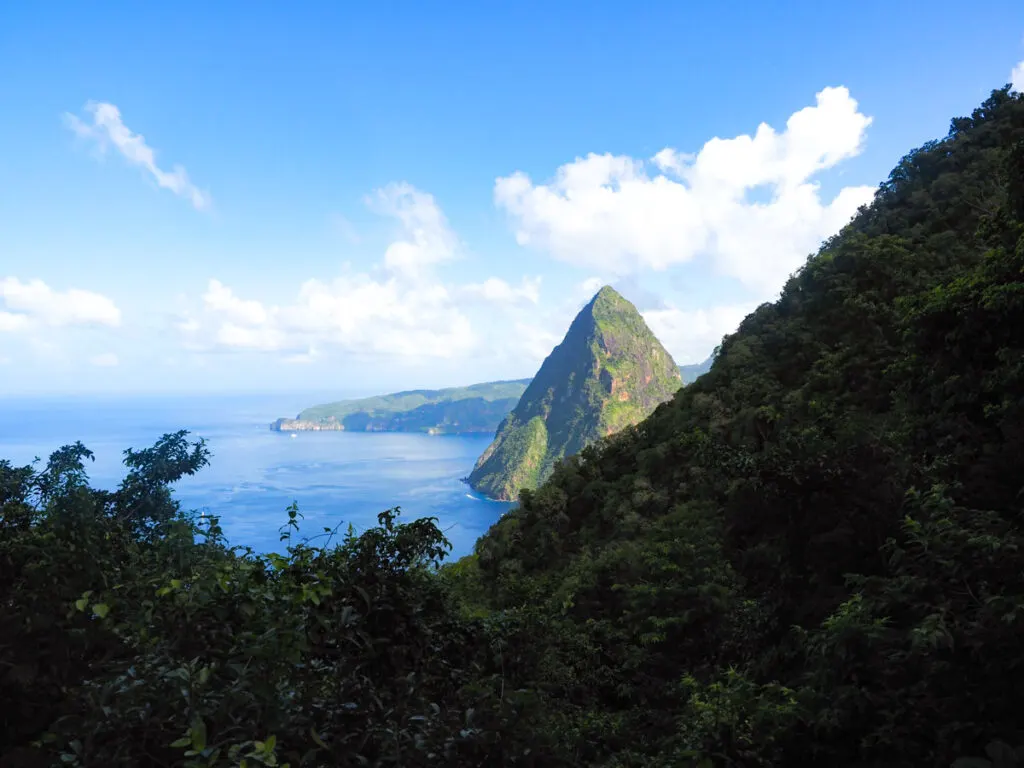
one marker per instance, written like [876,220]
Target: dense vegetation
[609,372]
[476,408]
[811,556]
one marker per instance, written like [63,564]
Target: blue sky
[307,196]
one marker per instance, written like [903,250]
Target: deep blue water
[254,473]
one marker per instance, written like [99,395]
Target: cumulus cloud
[403,310]
[689,335]
[12,322]
[354,313]
[104,126]
[427,240]
[620,215]
[34,303]
[104,360]
[1017,77]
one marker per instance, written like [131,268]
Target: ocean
[255,473]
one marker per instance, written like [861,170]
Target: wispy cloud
[103,125]
[345,228]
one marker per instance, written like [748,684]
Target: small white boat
[294,435]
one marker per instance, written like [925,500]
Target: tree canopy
[812,555]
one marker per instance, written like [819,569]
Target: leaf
[81,602]
[271,741]
[101,610]
[363,594]
[316,739]
[182,742]
[1001,753]
[198,733]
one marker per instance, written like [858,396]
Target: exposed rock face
[609,372]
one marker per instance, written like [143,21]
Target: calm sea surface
[254,473]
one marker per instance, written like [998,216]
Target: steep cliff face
[609,372]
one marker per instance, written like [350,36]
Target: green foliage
[134,636]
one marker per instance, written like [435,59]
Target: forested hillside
[811,556]
[455,410]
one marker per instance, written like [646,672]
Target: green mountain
[608,373]
[692,371]
[456,410]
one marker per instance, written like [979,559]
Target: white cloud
[1017,77]
[533,342]
[589,287]
[12,322]
[219,298]
[611,213]
[405,312]
[496,291]
[356,314]
[106,128]
[689,335]
[426,238]
[104,360]
[35,303]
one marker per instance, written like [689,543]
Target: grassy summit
[609,372]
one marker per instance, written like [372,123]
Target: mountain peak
[609,372]
[608,300]
[607,293]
